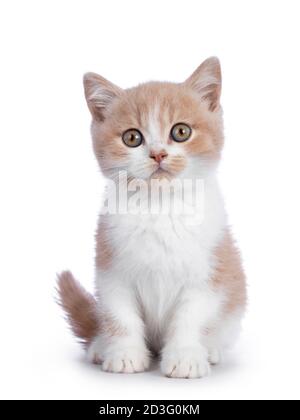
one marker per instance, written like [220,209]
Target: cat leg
[185,354]
[121,346]
[212,341]
[214,355]
[223,335]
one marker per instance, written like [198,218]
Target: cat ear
[99,93]
[207,82]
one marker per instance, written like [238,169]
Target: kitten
[164,286]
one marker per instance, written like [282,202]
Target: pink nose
[159,156]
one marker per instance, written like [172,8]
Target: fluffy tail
[79,306]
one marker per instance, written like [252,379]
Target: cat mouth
[160,170]
[161,173]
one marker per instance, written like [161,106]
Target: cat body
[167,283]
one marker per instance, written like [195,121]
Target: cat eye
[133,138]
[181,132]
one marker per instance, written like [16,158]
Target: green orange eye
[132,138]
[181,132]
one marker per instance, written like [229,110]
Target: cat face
[157,129]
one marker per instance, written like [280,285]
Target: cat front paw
[126,360]
[187,363]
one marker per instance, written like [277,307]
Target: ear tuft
[99,93]
[207,82]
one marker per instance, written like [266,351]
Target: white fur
[158,290]
[158,287]
[101,96]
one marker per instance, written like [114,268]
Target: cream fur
[163,285]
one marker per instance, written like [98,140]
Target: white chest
[167,247]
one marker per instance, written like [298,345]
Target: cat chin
[162,174]
[159,174]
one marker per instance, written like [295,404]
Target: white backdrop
[51,186]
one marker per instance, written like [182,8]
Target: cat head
[157,129]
